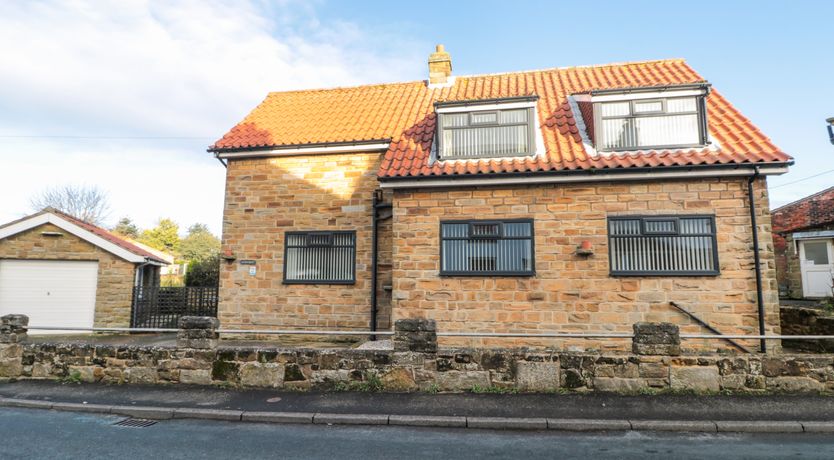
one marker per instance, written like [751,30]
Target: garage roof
[91,233]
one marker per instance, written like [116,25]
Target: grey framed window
[320,257]
[487,248]
[650,123]
[486,134]
[662,245]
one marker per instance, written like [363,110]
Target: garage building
[61,271]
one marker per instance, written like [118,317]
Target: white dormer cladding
[643,119]
[493,128]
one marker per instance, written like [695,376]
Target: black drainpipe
[377,204]
[756,258]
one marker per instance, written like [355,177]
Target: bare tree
[86,203]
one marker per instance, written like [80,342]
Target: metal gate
[162,307]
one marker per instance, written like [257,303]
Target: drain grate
[136,423]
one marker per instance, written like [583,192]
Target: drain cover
[136,422]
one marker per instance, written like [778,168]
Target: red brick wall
[815,212]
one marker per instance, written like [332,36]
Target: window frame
[332,234]
[666,273]
[470,222]
[700,111]
[530,123]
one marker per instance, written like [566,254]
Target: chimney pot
[440,66]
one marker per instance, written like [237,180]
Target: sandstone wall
[114,291]
[573,293]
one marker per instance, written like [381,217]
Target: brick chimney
[440,66]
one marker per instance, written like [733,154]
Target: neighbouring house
[64,272]
[173,269]
[579,199]
[803,236]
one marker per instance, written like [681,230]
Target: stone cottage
[579,199]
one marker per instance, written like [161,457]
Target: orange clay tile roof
[404,113]
[100,232]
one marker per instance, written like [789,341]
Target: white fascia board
[476,107]
[577,178]
[86,235]
[627,96]
[813,235]
[357,148]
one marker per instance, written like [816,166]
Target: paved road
[31,433]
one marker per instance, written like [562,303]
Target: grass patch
[369,384]
[73,377]
[432,389]
[477,389]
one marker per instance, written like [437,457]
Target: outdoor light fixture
[830,129]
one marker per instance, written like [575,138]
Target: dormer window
[486,129]
[650,118]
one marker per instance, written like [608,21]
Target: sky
[126,96]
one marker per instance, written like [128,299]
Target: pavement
[570,412]
[29,433]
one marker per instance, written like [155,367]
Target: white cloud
[134,68]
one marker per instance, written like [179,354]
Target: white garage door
[50,292]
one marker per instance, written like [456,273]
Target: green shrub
[204,272]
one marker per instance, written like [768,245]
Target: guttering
[756,259]
[596,175]
[305,149]
[651,89]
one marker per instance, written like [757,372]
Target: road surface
[33,433]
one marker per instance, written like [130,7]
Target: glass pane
[484,118]
[695,226]
[681,105]
[513,252]
[614,109]
[455,230]
[648,106]
[625,227]
[482,230]
[306,261]
[650,131]
[514,116]
[455,119]
[660,226]
[518,229]
[816,252]
[485,141]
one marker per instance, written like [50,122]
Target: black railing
[161,306]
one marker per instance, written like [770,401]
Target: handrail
[595,335]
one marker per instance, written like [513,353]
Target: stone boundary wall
[807,321]
[411,365]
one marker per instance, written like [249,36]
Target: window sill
[487,274]
[311,282]
[662,274]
